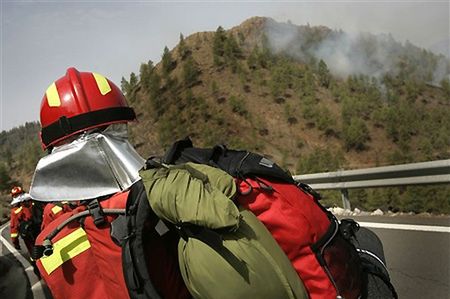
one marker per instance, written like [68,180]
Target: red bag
[308,235]
[325,260]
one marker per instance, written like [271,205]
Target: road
[418,261]
[417,256]
[17,279]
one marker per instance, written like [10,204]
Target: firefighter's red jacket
[22,212]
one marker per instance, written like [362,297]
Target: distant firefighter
[22,218]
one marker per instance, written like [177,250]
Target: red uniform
[19,214]
[53,211]
[85,256]
[86,262]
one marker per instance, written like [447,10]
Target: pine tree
[154,84]
[168,64]
[219,41]
[324,74]
[231,48]
[133,80]
[355,134]
[128,86]
[125,86]
[252,60]
[445,84]
[183,49]
[219,46]
[190,72]
[144,75]
[5,179]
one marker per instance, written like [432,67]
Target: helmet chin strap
[93,165]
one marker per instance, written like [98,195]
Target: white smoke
[442,71]
[344,53]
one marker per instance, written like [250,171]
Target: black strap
[134,262]
[305,187]
[96,211]
[206,235]
[65,126]
[372,269]
[176,149]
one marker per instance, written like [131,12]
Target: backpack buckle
[96,211]
[348,228]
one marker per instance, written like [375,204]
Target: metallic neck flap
[20,198]
[94,165]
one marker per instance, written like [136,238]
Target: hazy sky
[40,39]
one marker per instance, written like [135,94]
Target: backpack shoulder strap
[237,163]
[133,256]
[174,153]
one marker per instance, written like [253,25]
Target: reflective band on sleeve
[102,83]
[56,209]
[53,96]
[14,235]
[65,249]
[17,211]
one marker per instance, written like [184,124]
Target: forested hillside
[19,152]
[311,98]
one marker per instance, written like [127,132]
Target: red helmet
[16,190]
[79,102]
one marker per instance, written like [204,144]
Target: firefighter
[21,217]
[83,253]
[54,210]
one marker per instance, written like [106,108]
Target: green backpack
[224,251]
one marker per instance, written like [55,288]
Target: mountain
[311,98]
[236,87]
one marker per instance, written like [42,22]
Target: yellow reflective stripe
[56,209]
[102,83]
[53,96]
[14,235]
[65,249]
[17,211]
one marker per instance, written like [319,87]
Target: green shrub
[320,160]
[238,106]
[355,134]
[190,72]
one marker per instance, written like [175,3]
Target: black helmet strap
[65,126]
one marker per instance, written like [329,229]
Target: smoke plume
[353,54]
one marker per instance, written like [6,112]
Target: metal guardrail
[433,172]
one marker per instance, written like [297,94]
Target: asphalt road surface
[418,261]
[17,279]
[417,256]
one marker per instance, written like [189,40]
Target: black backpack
[244,164]
[31,228]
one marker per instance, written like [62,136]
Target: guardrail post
[345,200]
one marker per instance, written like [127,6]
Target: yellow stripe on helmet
[102,83]
[56,209]
[53,96]
[65,249]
